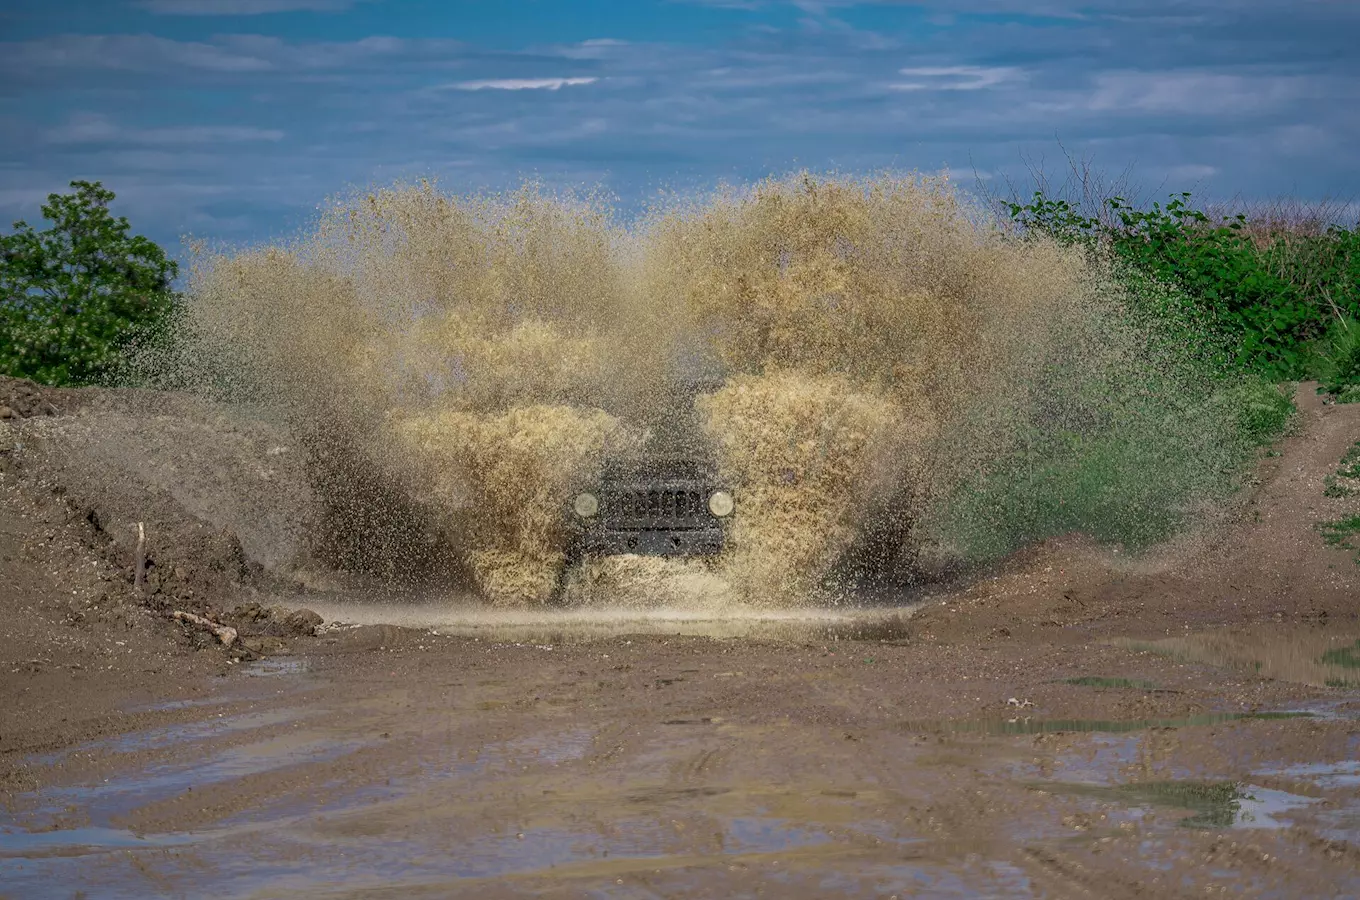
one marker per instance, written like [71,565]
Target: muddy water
[1319,658]
[648,767]
[562,626]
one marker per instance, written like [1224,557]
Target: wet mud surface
[1068,725]
[693,766]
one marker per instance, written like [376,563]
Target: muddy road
[1070,724]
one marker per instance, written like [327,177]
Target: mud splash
[891,382]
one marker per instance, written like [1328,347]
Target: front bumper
[604,541]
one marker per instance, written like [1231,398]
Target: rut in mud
[893,384]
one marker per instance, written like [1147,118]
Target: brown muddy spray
[460,365]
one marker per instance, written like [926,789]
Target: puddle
[103,802]
[559,626]
[1329,776]
[1258,807]
[549,848]
[1343,710]
[1307,657]
[173,705]
[551,749]
[273,666]
[1214,805]
[1340,824]
[158,782]
[172,735]
[1345,657]
[78,841]
[1083,726]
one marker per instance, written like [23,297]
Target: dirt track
[946,755]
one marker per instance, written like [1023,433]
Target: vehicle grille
[657,506]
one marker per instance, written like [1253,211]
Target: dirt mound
[219,496]
[22,399]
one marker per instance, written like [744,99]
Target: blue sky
[233,120]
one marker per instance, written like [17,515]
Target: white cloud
[229,54]
[86,128]
[1191,172]
[241,7]
[595,48]
[522,84]
[130,52]
[1188,92]
[955,78]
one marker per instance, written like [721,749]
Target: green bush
[75,297]
[1130,439]
[1338,361]
[1270,292]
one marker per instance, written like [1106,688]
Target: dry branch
[225,633]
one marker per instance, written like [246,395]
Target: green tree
[73,297]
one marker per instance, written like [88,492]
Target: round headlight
[586,505]
[721,504]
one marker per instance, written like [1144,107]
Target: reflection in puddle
[1345,657]
[1307,657]
[275,666]
[160,782]
[173,705]
[750,835]
[74,841]
[105,802]
[172,735]
[1083,726]
[1215,805]
[1258,807]
[541,849]
[1344,774]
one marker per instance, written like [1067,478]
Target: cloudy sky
[233,119]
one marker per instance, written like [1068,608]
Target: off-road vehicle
[660,505]
[666,501]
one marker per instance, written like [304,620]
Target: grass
[1345,657]
[1334,488]
[1128,474]
[1349,470]
[1214,804]
[1338,362]
[1342,533]
[1350,463]
[1099,681]
[1263,410]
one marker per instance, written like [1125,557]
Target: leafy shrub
[74,297]
[1271,292]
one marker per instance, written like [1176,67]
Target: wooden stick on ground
[139,578]
[225,633]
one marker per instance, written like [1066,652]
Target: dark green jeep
[658,506]
[667,501]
